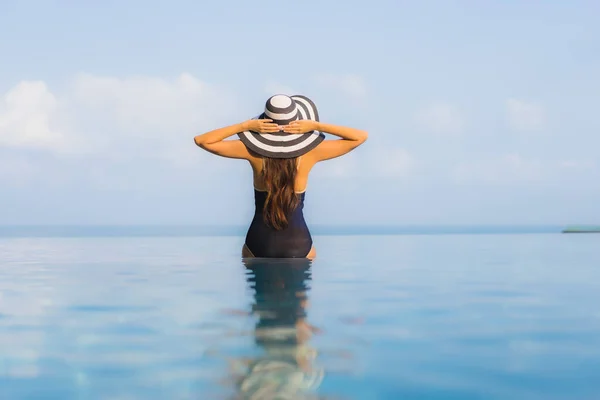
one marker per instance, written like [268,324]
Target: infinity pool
[487,316]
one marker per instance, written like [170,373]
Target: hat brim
[286,145]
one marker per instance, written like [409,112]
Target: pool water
[486,316]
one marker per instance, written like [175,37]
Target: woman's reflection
[286,366]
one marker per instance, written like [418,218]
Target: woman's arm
[214,141]
[351,138]
[344,132]
[218,135]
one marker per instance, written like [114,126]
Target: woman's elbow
[363,137]
[203,144]
[198,141]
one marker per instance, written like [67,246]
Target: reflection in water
[141,318]
[286,366]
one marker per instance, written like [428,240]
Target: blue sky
[478,111]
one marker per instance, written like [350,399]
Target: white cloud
[441,119]
[525,116]
[29,116]
[351,85]
[116,117]
[150,114]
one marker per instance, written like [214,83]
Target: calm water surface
[374,317]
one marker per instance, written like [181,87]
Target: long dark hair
[279,176]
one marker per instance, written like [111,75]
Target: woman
[282,145]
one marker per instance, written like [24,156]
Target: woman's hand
[261,126]
[301,126]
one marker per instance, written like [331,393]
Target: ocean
[381,313]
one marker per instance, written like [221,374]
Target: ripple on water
[399,317]
[104,308]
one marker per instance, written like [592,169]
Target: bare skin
[215,143]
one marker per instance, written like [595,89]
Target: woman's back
[303,169]
[279,231]
[293,241]
[282,145]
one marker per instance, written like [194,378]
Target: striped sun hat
[282,110]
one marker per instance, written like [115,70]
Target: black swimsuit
[292,242]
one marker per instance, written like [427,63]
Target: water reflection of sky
[373,317]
